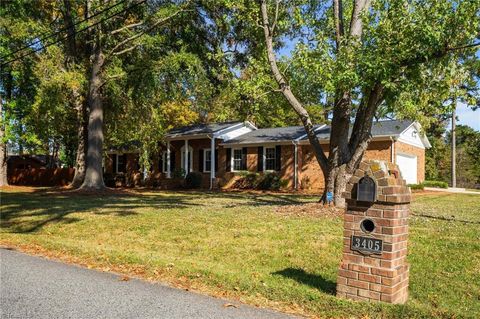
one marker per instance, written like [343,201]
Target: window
[207,160]
[237,159]
[270,159]
[120,163]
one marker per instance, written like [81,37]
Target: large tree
[393,56]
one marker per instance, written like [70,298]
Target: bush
[437,184]
[247,181]
[193,180]
[416,186]
[271,181]
[178,173]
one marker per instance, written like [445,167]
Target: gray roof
[197,129]
[290,133]
[379,128]
[265,135]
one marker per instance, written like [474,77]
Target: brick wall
[310,174]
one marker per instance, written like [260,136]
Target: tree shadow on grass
[28,212]
[312,280]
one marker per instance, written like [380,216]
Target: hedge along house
[222,151]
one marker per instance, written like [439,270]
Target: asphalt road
[34,287]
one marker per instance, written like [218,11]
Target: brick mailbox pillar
[374,265]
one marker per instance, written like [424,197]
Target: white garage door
[408,167]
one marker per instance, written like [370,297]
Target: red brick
[357,283]
[370,278]
[347,273]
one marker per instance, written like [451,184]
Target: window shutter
[200,160]
[124,166]
[278,157]
[114,163]
[172,161]
[216,161]
[244,158]
[260,159]
[229,160]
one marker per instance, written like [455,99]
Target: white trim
[265,158]
[204,164]
[169,168]
[212,161]
[232,160]
[183,160]
[218,133]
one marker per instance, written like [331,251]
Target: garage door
[408,167]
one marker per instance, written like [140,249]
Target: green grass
[236,245]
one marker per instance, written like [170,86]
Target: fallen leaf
[124,278]
[228,305]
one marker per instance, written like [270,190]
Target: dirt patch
[310,209]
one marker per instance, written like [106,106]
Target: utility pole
[454,160]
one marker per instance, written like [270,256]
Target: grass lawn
[238,246]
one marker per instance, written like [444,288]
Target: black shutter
[278,157]
[124,166]
[216,161]
[260,159]
[229,159]
[114,164]
[200,161]
[172,161]
[244,158]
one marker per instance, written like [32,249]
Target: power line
[28,46]
[69,35]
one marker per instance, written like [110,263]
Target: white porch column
[169,169]
[212,162]
[185,158]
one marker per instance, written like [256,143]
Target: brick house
[220,151]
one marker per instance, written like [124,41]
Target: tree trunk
[94,172]
[82,133]
[454,147]
[3,149]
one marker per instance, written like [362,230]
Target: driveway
[34,287]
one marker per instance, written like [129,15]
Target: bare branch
[133,37]
[130,26]
[133,47]
[275,19]
[288,94]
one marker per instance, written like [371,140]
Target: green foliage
[193,180]
[437,184]
[266,181]
[420,186]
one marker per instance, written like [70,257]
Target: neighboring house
[220,151]
[30,161]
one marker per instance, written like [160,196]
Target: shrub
[178,173]
[437,184]
[271,181]
[193,180]
[247,181]
[416,186]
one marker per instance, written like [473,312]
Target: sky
[467,116]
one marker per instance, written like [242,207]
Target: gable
[413,136]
